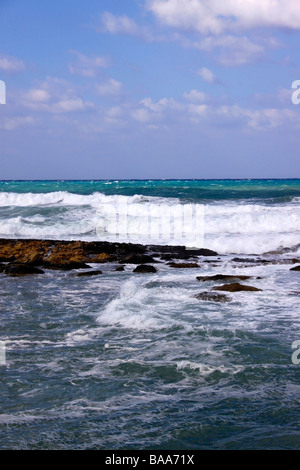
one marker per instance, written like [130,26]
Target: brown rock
[102,258]
[222,277]
[236,287]
[184,265]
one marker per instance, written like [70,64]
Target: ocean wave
[229,227]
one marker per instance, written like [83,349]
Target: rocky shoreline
[21,257]
[69,255]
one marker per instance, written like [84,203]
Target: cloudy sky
[149,89]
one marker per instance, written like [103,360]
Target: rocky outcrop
[145,268]
[68,255]
[223,277]
[21,270]
[212,297]
[236,287]
[136,258]
[184,265]
[89,273]
[296,268]
[119,268]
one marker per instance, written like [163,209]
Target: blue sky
[149,89]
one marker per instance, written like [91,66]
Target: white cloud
[194,96]
[219,16]
[142,115]
[88,66]
[207,75]
[10,124]
[233,50]
[54,96]
[111,87]
[11,64]
[122,24]
[37,95]
[119,24]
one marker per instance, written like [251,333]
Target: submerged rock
[89,273]
[67,265]
[119,268]
[21,270]
[136,258]
[212,297]
[184,265]
[222,277]
[145,268]
[236,287]
[296,268]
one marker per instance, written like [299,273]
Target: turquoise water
[135,361]
[189,189]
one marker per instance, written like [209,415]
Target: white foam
[133,309]
[225,226]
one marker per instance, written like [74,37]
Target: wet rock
[144,268]
[212,297]
[21,270]
[67,265]
[184,265]
[236,287]
[244,260]
[179,252]
[296,268]
[223,277]
[89,273]
[137,258]
[120,268]
[102,258]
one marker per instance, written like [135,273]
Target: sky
[138,89]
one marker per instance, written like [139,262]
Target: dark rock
[212,297]
[137,258]
[21,270]
[120,268]
[223,277]
[144,268]
[236,287]
[88,273]
[180,252]
[244,260]
[66,266]
[296,268]
[184,265]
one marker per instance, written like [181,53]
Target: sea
[129,361]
